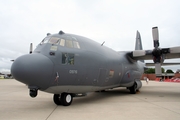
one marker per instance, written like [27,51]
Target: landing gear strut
[64,99]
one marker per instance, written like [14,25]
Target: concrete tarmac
[155,101]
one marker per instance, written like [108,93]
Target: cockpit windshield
[70,42]
[54,40]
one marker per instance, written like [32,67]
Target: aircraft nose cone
[33,70]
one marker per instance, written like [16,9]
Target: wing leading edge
[168,53]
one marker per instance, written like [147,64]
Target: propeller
[157,52]
[31,48]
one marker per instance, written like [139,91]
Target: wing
[163,64]
[165,53]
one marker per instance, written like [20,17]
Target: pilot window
[69,43]
[68,58]
[45,40]
[62,42]
[54,40]
[76,44]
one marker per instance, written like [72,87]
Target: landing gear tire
[66,99]
[33,93]
[57,99]
[133,89]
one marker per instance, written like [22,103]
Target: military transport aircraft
[68,65]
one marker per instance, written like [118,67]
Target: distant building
[1,76]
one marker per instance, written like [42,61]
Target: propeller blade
[155,35]
[31,48]
[174,50]
[158,70]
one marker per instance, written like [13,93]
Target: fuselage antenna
[102,43]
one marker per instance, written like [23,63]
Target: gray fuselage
[75,64]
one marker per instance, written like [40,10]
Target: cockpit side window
[69,43]
[68,58]
[54,40]
[45,40]
[76,44]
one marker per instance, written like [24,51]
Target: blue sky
[113,21]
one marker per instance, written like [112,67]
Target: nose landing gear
[33,92]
